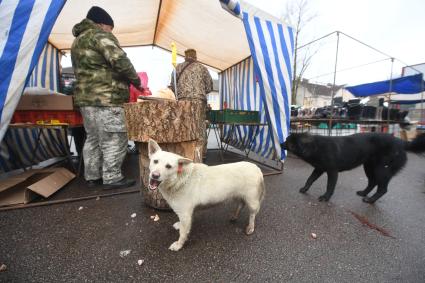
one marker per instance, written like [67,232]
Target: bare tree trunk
[296,80]
[297,15]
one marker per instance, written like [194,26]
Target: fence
[343,127]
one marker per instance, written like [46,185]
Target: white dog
[186,185]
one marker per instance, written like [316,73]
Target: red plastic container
[70,117]
[134,93]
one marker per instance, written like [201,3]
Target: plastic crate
[71,117]
[47,116]
[212,115]
[237,116]
[21,117]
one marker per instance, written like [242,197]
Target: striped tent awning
[46,72]
[25,27]
[263,83]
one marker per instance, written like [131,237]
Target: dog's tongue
[153,184]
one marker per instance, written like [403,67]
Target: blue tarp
[404,85]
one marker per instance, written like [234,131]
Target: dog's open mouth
[153,184]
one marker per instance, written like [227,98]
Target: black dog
[382,156]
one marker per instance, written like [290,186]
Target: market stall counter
[173,125]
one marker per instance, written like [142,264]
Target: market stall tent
[218,38]
[403,90]
[404,85]
[254,48]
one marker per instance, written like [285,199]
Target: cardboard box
[25,187]
[45,102]
[408,135]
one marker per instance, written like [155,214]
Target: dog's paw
[176,225]
[324,198]
[249,230]
[361,193]
[303,190]
[368,200]
[175,246]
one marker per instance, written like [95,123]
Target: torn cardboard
[408,135]
[25,187]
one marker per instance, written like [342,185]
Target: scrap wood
[50,202]
[365,221]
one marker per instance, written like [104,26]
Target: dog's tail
[417,145]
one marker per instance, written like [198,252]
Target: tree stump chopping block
[173,125]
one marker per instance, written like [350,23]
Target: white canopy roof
[218,37]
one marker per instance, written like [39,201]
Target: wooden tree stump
[173,125]
[165,121]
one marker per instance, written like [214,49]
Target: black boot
[94,183]
[123,183]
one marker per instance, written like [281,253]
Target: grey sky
[392,26]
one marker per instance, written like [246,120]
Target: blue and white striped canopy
[263,83]
[25,26]
[46,73]
[232,6]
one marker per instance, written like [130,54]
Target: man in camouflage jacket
[194,82]
[103,74]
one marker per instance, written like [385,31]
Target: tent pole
[389,97]
[333,86]
[157,21]
[422,101]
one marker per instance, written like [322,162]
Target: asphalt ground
[82,241]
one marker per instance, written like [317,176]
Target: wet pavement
[81,241]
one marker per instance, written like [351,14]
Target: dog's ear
[181,162]
[152,147]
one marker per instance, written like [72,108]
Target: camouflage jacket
[194,82]
[101,67]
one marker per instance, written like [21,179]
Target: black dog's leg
[332,178]
[369,170]
[313,177]
[383,176]
[368,189]
[379,193]
[382,189]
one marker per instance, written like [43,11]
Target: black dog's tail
[417,145]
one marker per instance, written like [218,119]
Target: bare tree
[297,14]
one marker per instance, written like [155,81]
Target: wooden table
[246,143]
[61,144]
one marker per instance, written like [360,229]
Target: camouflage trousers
[106,143]
[203,137]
